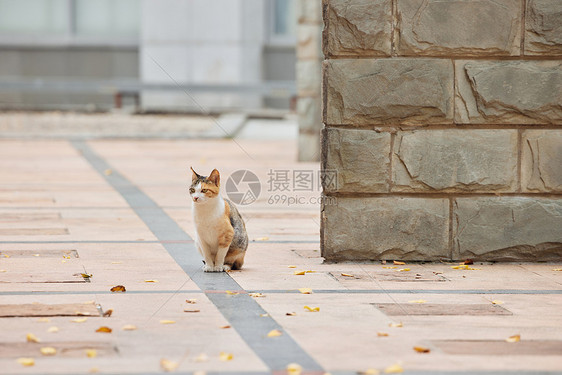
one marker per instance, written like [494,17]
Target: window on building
[283,22]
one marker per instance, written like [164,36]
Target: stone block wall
[442,130]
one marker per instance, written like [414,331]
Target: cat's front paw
[219,269]
[207,268]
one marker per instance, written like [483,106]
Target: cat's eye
[204,190]
[191,190]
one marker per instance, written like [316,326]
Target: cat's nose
[195,199]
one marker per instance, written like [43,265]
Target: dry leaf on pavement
[404,270]
[497,302]
[398,263]
[396,325]
[514,338]
[291,314]
[202,358]
[418,301]
[164,321]
[382,334]
[43,320]
[192,300]
[48,350]
[294,369]
[118,288]
[422,349]
[32,338]
[79,320]
[53,329]
[104,329]
[394,369]
[168,365]
[151,281]
[108,313]
[26,361]
[299,273]
[312,309]
[191,310]
[274,333]
[292,266]
[225,356]
[256,295]
[305,290]
[91,353]
[129,327]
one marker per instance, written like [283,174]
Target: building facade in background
[166,41]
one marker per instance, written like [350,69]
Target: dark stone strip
[242,311]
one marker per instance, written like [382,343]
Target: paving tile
[497,347]
[395,309]
[36,309]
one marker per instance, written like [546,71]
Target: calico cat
[221,233]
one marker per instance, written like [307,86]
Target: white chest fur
[207,217]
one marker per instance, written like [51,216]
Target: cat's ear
[215,177]
[194,176]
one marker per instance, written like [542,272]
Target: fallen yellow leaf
[291,314]
[151,281]
[79,320]
[274,333]
[305,290]
[118,288]
[168,365]
[116,262]
[232,293]
[514,338]
[104,329]
[265,238]
[404,270]
[48,350]
[2,271]
[421,349]
[129,327]
[464,267]
[390,268]
[32,338]
[26,361]
[394,369]
[43,320]
[264,315]
[299,273]
[225,327]
[398,263]
[292,266]
[202,358]
[557,269]
[86,275]
[347,275]
[108,172]
[370,371]
[418,301]
[382,334]
[164,321]
[396,325]
[294,369]
[312,309]
[310,271]
[53,329]
[91,353]
[225,356]
[191,310]
[192,300]
[256,295]
[36,255]
[497,302]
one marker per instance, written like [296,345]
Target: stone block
[455,160]
[458,27]
[308,42]
[363,92]
[385,228]
[541,161]
[357,27]
[308,77]
[508,92]
[361,159]
[507,228]
[308,111]
[543,27]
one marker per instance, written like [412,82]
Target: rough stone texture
[455,160]
[507,228]
[308,77]
[543,27]
[508,92]
[458,27]
[388,91]
[541,161]
[361,159]
[350,29]
[385,228]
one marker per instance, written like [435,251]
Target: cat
[221,233]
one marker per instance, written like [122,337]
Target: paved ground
[119,210]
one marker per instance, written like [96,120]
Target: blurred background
[259,57]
